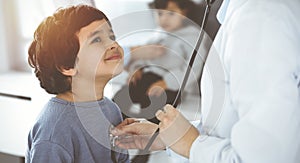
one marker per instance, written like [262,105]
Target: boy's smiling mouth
[114,56]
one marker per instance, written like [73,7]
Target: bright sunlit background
[18,21]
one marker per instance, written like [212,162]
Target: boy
[74,54]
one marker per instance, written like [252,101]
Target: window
[19,20]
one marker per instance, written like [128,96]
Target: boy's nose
[112,45]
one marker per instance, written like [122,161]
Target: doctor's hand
[135,134]
[176,131]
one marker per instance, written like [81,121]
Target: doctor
[257,120]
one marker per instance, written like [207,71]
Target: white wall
[116,8]
[127,18]
[3,51]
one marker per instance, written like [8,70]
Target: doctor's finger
[160,114]
[168,108]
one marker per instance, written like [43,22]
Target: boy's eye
[112,37]
[97,39]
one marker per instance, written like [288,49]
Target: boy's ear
[68,72]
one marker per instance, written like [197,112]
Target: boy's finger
[127,121]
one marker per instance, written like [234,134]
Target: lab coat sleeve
[176,157]
[263,51]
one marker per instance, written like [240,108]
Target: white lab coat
[258,46]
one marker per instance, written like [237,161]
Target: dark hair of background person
[189,6]
[56,45]
[195,12]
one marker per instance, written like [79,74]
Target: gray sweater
[74,132]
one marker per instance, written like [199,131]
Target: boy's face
[171,18]
[99,56]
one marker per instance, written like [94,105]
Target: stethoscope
[188,70]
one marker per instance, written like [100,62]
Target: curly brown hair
[56,45]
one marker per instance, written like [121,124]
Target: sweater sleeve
[48,152]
